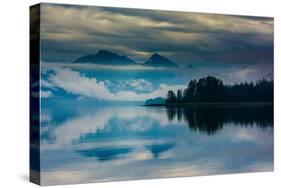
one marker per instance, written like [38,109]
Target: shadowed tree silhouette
[210,119]
[179,95]
[171,97]
[212,90]
[171,113]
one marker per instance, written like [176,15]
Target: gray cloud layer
[69,32]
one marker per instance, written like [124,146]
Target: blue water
[82,143]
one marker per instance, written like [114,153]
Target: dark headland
[211,91]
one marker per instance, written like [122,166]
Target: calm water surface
[82,143]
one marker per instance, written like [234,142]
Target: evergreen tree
[179,96]
[171,97]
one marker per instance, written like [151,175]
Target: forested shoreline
[212,90]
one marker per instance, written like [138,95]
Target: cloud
[71,130]
[46,94]
[46,84]
[75,83]
[138,85]
[249,73]
[69,32]
[141,85]
[133,96]
[186,158]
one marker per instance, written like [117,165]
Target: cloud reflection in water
[138,142]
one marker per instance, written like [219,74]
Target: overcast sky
[233,48]
[69,32]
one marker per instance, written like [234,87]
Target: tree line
[212,90]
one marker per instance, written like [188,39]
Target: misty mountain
[157,60]
[106,58]
[155,101]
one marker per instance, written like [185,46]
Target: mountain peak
[104,52]
[157,60]
[155,55]
[105,57]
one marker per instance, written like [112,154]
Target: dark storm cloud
[71,31]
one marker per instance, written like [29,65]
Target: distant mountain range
[105,57]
